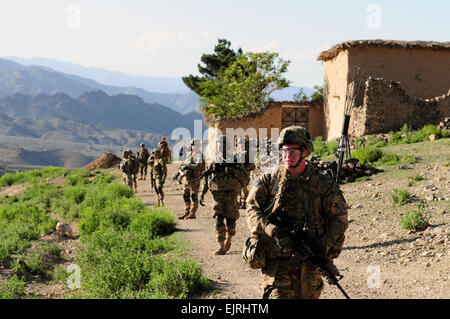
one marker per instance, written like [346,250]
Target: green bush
[367,154]
[323,149]
[31,176]
[157,222]
[420,135]
[75,193]
[399,196]
[12,288]
[414,220]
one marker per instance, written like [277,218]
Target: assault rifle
[350,99]
[309,248]
[179,173]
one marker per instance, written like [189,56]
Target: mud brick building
[405,82]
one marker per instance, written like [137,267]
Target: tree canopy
[245,85]
[214,65]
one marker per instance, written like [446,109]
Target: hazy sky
[167,38]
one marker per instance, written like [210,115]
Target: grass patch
[31,176]
[127,251]
[415,220]
[324,149]
[399,196]
[12,288]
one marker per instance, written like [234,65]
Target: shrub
[367,154]
[323,149]
[415,220]
[157,222]
[399,196]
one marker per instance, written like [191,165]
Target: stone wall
[387,107]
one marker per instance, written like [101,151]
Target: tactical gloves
[281,237]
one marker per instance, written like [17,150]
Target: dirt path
[379,259]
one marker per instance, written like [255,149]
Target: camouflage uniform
[125,167]
[158,174]
[225,186]
[128,168]
[193,170]
[165,150]
[249,167]
[312,199]
[143,154]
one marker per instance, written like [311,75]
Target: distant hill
[94,108]
[106,77]
[59,157]
[35,79]
[170,92]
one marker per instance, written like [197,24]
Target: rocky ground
[379,259]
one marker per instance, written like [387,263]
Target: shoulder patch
[257,181]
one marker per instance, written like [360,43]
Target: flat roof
[334,51]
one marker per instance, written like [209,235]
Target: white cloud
[172,40]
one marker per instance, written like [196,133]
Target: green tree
[245,86]
[214,65]
[300,96]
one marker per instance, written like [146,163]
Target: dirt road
[379,259]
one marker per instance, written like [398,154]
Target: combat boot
[159,202]
[191,215]
[221,250]
[186,214]
[227,244]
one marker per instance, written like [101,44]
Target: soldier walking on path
[243,155]
[128,167]
[192,172]
[165,150]
[298,194]
[143,154]
[225,179]
[158,175]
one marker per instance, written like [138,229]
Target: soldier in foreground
[192,171]
[158,175]
[142,155]
[225,179]
[298,194]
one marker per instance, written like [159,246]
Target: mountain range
[59,106]
[166,91]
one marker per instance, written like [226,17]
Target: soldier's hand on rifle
[281,237]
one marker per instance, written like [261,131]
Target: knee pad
[219,221]
[186,198]
[194,197]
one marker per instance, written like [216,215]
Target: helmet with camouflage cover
[296,135]
[124,152]
[156,152]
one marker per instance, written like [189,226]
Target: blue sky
[167,38]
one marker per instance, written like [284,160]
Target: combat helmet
[156,152]
[296,135]
[142,145]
